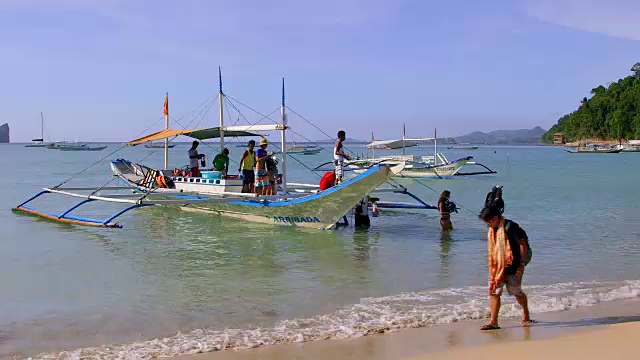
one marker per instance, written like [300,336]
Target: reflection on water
[445,249]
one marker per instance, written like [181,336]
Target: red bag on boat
[327,181]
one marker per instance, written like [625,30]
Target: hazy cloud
[617,18]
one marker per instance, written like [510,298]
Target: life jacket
[160,180]
[328,180]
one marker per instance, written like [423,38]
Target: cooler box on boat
[211,174]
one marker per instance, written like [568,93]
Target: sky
[99,69]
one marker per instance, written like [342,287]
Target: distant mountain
[347,141]
[522,136]
[4,133]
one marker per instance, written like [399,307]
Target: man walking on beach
[509,253]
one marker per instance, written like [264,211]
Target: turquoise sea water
[68,287]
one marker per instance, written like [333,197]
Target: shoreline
[456,340]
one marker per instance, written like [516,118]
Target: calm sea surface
[243,284]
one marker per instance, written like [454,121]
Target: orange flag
[166,105]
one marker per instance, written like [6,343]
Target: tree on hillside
[636,70]
[612,112]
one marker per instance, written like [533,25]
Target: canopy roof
[208,133]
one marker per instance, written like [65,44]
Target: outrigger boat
[302,205]
[424,167]
[594,149]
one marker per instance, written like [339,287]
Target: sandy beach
[614,342]
[593,332]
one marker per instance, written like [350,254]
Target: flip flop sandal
[528,322]
[489,327]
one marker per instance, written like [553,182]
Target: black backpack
[527,260]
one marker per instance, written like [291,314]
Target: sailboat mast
[435,146]
[284,141]
[41,126]
[404,134]
[166,127]
[220,104]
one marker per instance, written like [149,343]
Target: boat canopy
[208,133]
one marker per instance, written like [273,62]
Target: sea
[171,283]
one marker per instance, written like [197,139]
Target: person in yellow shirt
[247,163]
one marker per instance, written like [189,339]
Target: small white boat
[424,167]
[39,143]
[152,145]
[594,149]
[462,147]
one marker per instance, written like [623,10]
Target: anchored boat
[424,167]
[303,205]
[594,149]
[38,143]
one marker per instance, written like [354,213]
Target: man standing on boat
[221,161]
[339,156]
[262,177]
[194,170]
[247,163]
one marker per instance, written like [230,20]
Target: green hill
[612,112]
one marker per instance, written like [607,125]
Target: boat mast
[220,104]
[435,146]
[284,142]
[41,127]
[404,134]
[166,127]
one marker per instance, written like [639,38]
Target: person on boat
[247,163]
[339,156]
[194,170]
[509,253]
[221,162]
[272,170]
[262,176]
[446,207]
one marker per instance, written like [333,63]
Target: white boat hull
[316,209]
[421,170]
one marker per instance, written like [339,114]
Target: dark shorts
[247,177]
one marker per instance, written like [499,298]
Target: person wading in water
[446,207]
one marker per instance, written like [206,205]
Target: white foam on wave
[370,316]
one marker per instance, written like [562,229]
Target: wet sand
[608,328]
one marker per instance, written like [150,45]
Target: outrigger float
[295,204]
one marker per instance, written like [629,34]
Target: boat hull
[321,210]
[610,151]
[424,171]
[81,148]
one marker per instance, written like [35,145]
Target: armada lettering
[294,219]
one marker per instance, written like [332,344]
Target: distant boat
[629,147]
[74,147]
[39,143]
[152,145]
[462,147]
[304,151]
[594,149]
[391,144]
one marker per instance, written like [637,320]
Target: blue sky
[98,69]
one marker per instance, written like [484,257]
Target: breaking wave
[369,316]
